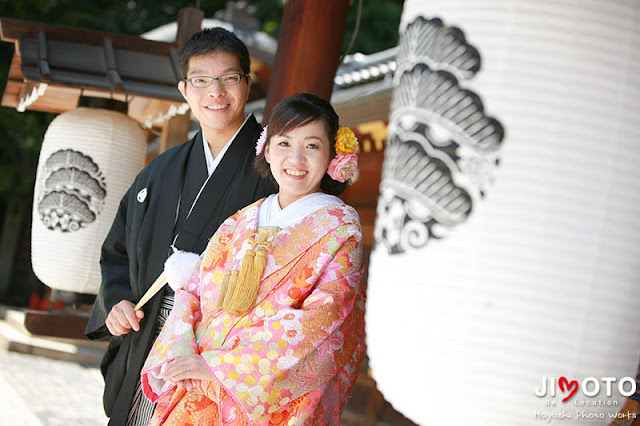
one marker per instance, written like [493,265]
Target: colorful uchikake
[344,164]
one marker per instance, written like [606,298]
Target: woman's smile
[299,160]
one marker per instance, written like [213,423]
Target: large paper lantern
[505,279]
[89,158]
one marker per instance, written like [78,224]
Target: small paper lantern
[88,160]
[507,238]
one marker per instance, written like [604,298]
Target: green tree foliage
[124,17]
[378,30]
[19,149]
[20,139]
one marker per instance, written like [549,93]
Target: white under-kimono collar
[272,215]
[212,163]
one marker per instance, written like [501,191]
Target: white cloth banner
[508,234]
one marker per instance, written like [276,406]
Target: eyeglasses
[201,82]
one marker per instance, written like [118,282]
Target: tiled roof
[359,69]
[260,45]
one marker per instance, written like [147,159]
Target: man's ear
[182,87]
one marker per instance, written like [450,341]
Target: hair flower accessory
[342,167]
[345,163]
[346,142]
[261,141]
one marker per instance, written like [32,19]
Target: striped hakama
[141,409]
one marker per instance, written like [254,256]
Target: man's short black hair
[211,40]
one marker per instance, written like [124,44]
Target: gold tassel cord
[247,287]
[242,292]
[224,287]
[244,298]
[230,289]
[259,263]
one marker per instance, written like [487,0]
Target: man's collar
[212,163]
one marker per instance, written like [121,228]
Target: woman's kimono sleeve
[178,336]
[300,359]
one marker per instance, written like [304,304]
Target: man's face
[218,108]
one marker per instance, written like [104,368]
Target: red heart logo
[563,382]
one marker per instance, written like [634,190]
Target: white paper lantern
[508,229]
[88,160]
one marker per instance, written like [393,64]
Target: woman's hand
[186,371]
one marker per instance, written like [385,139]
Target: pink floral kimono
[294,358]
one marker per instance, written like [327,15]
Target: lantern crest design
[74,191]
[443,147]
[533,277]
[88,160]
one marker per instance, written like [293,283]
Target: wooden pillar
[176,130]
[189,23]
[309,45]
[9,242]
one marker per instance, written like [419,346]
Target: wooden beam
[309,46]
[176,130]
[56,324]
[13,29]
[60,97]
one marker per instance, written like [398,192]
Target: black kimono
[134,252]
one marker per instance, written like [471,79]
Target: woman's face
[298,161]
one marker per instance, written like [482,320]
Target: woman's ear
[266,153]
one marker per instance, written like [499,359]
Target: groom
[180,198]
